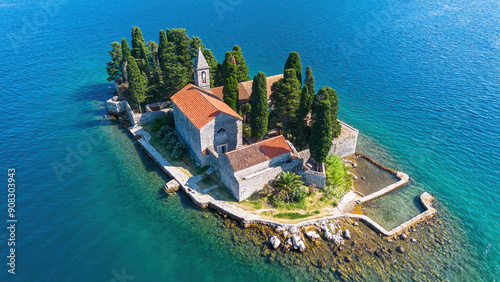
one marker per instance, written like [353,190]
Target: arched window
[221,130]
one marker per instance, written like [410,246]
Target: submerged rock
[275,241]
[403,236]
[321,263]
[354,177]
[347,234]
[337,239]
[355,223]
[400,249]
[413,240]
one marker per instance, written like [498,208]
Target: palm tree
[287,182]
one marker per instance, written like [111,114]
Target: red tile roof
[257,153]
[245,89]
[200,106]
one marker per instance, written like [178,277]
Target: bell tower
[201,71]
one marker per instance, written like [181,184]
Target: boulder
[288,241]
[275,241]
[280,229]
[354,177]
[400,249]
[295,239]
[355,223]
[413,240]
[328,235]
[312,235]
[301,246]
[347,234]
[293,230]
[285,234]
[354,164]
[403,236]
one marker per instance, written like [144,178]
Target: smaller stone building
[245,171]
[205,122]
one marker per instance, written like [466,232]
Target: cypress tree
[285,98]
[174,73]
[293,62]
[218,77]
[228,67]
[230,93]
[334,107]
[179,37]
[137,41]
[309,81]
[125,49]
[241,65]
[259,107]
[162,45]
[125,55]
[303,130]
[136,82]
[115,67]
[321,140]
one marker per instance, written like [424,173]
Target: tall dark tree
[309,81]
[334,107]
[229,67]
[293,62]
[181,41]
[303,130]
[321,135]
[115,67]
[218,77]
[241,65]
[154,67]
[125,55]
[285,99]
[136,82]
[162,45]
[230,93]
[125,49]
[259,107]
[137,42]
[175,75]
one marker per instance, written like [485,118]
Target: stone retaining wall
[312,178]
[189,186]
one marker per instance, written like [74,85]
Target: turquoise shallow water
[420,81]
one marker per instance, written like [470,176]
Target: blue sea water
[421,80]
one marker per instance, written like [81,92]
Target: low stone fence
[311,177]
[157,106]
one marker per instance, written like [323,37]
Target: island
[268,152]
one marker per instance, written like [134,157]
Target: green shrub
[163,131]
[298,194]
[170,140]
[246,130]
[157,124]
[317,212]
[179,150]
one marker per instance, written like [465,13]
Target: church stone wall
[188,132]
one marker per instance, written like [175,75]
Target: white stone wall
[148,117]
[312,177]
[345,144]
[115,106]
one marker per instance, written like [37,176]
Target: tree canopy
[115,67]
[136,82]
[241,65]
[259,107]
[334,107]
[230,93]
[321,136]
[293,62]
[285,99]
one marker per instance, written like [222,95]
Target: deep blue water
[419,79]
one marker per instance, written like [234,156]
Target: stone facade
[207,137]
[345,145]
[246,182]
[311,177]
